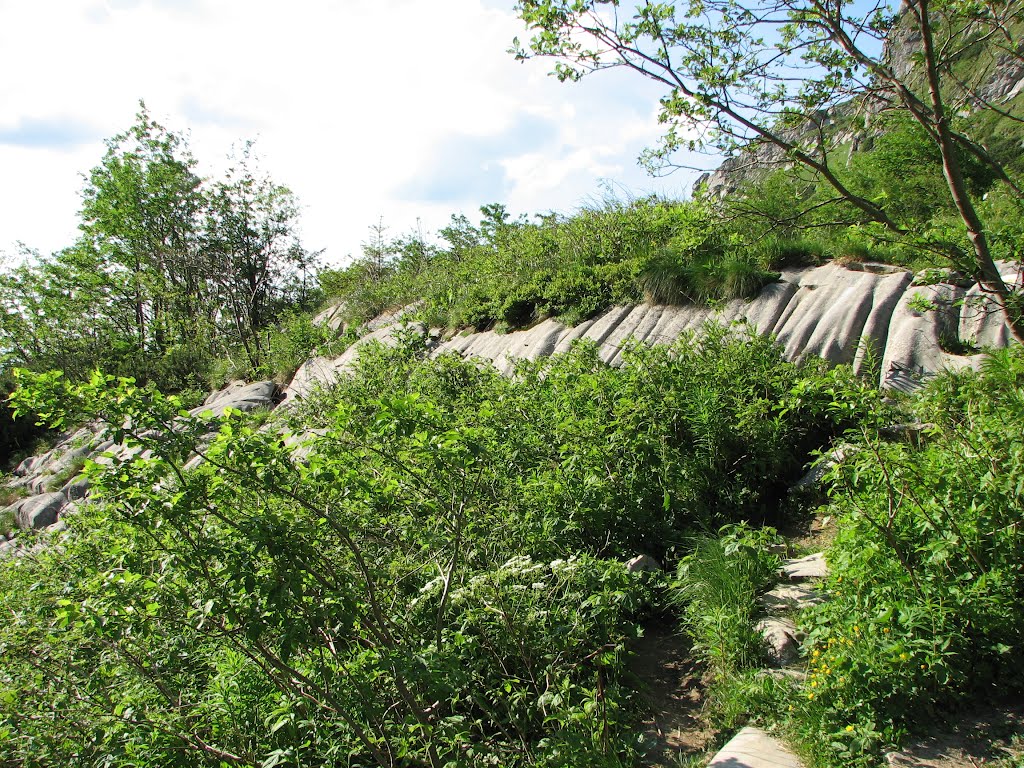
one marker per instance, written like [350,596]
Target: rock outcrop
[872,316]
[867,315]
[51,480]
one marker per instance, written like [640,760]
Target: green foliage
[7,521]
[926,586]
[437,580]
[295,340]
[509,274]
[727,70]
[717,585]
[169,273]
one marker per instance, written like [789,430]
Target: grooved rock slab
[862,314]
[323,371]
[239,395]
[39,511]
[754,748]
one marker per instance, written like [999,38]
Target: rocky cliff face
[999,78]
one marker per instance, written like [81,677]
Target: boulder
[780,637]
[812,478]
[240,396]
[7,547]
[643,564]
[39,511]
[76,488]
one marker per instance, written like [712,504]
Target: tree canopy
[170,270]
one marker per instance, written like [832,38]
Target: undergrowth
[923,616]
[437,579]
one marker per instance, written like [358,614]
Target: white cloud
[349,100]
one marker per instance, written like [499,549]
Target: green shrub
[717,586]
[925,610]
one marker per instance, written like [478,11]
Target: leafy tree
[779,74]
[170,270]
[55,313]
[250,242]
[140,215]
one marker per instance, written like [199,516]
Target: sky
[396,111]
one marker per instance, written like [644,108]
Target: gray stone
[863,315]
[39,511]
[193,463]
[643,564]
[804,568]
[754,748]
[333,317]
[790,597]
[67,459]
[69,509]
[76,488]
[322,371]
[780,637]
[239,395]
[812,478]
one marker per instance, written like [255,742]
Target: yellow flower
[849,728]
[810,696]
[886,630]
[904,656]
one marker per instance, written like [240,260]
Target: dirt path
[672,687]
[989,737]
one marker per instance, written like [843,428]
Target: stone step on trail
[778,630]
[754,748]
[806,568]
[786,598]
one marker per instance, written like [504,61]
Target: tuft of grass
[777,252]
[717,586]
[742,277]
[60,479]
[664,281]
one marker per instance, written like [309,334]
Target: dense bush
[926,593]
[437,580]
[508,273]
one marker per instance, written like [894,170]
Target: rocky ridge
[868,315]
[876,317]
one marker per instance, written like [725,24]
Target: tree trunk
[986,271]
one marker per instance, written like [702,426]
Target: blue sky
[401,110]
